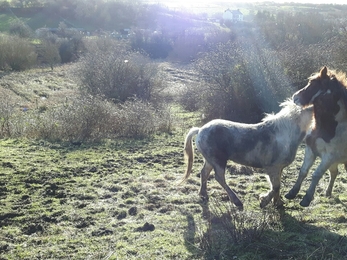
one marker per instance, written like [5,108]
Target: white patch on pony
[314,96]
[289,115]
[342,114]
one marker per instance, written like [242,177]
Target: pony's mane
[339,75]
[284,118]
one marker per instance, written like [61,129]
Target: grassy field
[120,199]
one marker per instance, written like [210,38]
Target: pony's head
[325,84]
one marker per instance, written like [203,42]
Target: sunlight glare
[200,3]
[188,3]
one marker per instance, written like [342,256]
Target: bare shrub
[190,96]
[95,45]
[7,111]
[20,29]
[80,118]
[228,91]
[136,118]
[165,119]
[112,71]
[229,229]
[85,118]
[70,49]
[16,53]
[242,81]
[117,76]
[338,44]
[187,46]
[49,53]
[299,61]
[241,226]
[156,44]
[215,36]
[331,53]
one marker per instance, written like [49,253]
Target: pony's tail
[189,152]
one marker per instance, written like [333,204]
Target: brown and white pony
[326,90]
[270,144]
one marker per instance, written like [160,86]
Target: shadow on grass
[192,233]
[266,234]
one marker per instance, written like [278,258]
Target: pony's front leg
[275,184]
[309,159]
[317,175]
[333,174]
[220,177]
[204,174]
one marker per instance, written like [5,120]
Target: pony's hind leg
[204,174]
[333,174]
[309,159]
[220,177]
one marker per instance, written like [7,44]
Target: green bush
[16,53]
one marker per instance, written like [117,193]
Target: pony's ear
[323,72]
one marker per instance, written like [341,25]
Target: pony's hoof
[328,194]
[204,198]
[290,195]
[279,204]
[280,207]
[264,200]
[305,201]
[263,203]
[239,206]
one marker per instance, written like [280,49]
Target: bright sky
[187,3]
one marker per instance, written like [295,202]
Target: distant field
[39,19]
[33,20]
